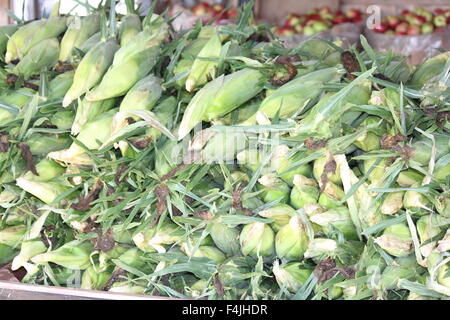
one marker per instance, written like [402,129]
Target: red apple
[439,11]
[313,17]
[408,16]
[405,13]
[417,20]
[413,30]
[353,13]
[382,28]
[285,31]
[200,9]
[448,20]
[340,18]
[401,29]
[293,20]
[393,21]
[440,21]
[424,13]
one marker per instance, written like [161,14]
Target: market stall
[224,151]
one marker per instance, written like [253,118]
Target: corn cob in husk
[72,255]
[203,67]
[6,32]
[43,55]
[87,111]
[130,26]
[428,70]
[32,34]
[91,69]
[91,42]
[78,32]
[91,135]
[294,95]
[118,80]
[60,85]
[219,97]
[257,239]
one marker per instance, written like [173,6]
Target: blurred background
[426,23]
[267,10]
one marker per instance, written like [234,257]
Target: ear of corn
[94,280]
[225,238]
[5,33]
[274,189]
[92,135]
[72,255]
[294,95]
[153,239]
[78,32]
[396,240]
[91,69]
[321,246]
[280,214]
[416,202]
[63,119]
[257,239]
[32,34]
[331,195]
[337,218]
[144,40]
[205,64]
[222,147]
[42,55]
[427,228]
[291,276]
[11,236]
[28,250]
[120,78]
[232,94]
[42,144]
[60,85]
[392,203]
[168,157]
[291,241]
[87,111]
[331,175]
[407,178]
[130,26]
[304,191]
[47,170]
[91,42]
[45,191]
[219,97]
[17,98]
[429,69]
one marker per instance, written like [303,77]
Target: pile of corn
[217,164]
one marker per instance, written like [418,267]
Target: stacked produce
[215,13]
[210,165]
[416,22]
[316,21]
